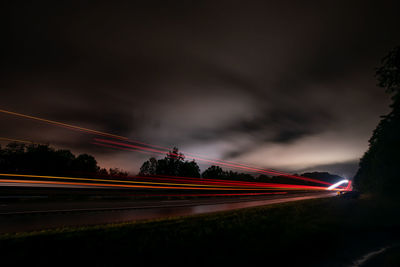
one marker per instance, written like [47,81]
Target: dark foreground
[322,232]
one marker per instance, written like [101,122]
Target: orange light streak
[62,124]
[153,184]
[142,149]
[18,141]
[111,181]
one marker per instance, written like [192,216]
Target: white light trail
[337,184]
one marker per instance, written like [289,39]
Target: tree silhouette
[264,178]
[189,169]
[44,160]
[231,175]
[85,163]
[378,168]
[117,173]
[214,172]
[149,167]
[173,164]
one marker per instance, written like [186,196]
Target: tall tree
[378,171]
[173,164]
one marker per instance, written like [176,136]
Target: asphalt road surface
[17,216]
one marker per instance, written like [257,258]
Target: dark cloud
[231,79]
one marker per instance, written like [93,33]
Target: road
[45,214]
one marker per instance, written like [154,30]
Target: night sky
[287,85]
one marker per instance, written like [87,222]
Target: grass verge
[328,232]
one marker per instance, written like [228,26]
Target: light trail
[138,184]
[134,186]
[337,184]
[70,126]
[205,180]
[98,180]
[166,150]
[230,164]
[17,140]
[120,145]
[144,151]
[213,195]
[348,187]
[94,184]
[151,150]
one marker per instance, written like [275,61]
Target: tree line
[39,159]
[379,167]
[174,164]
[42,159]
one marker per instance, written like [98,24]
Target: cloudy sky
[277,84]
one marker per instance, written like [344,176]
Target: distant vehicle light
[337,184]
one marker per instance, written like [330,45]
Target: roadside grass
[320,232]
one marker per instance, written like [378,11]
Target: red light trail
[213,195]
[125,143]
[177,183]
[116,144]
